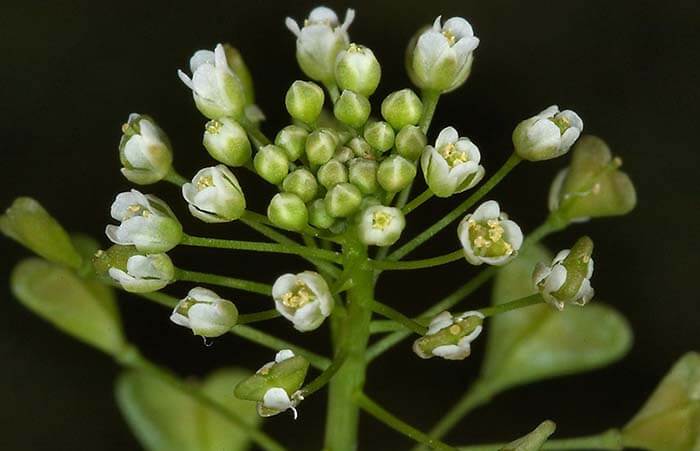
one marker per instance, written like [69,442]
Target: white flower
[303,298]
[144,151]
[146,222]
[145,273]
[205,313]
[443,55]
[452,166]
[487,236]
[381,226]
[547,135]
[276,399]
[568,278]
[319,41]
[214,195]
[216,89]
[449,337]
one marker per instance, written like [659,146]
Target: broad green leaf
[670,419]
[539,342]
[165,419]
[83,308]
[534,440]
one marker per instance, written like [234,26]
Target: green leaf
[165,419]
[534,440]
[538,342]
[83,308]
[670,419]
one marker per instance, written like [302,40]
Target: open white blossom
[547,135]
[442,57]
[381,226]
[320,40]
[449,337]
[144,151]
[304,299]
[216,89]
[145,273]
[146,222]
[549,279]
[452,166]
[214,195]
[488,236]
[205,313]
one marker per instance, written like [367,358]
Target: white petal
[452,352]
[487,210]
[204,295]
[284,284]
[185,79]
[283,355]
[555,190]
[512,234]
[448,135]
[276,398]
[549,112]
[292,26]
[459,27]
[200,58]
[441,321]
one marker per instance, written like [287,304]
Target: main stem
[352,337]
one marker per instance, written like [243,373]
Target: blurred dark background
[73,71]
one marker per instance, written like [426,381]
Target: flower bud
[304,101]
[395,173]
[320,146]
[449,336]
[83,308]
[547,135]
[276,384]
[271,163]
[207,314]
[319,42]
[363,174]
[343,154]
[26,222]
[440,58]
[146,222]
[217,90]
[304,299]
[302,183]
[410,142]
[487,236]
[318,215]
[381,226]
[452,166]
[141,273]
[332,173]
[352,109]
[239,67]
[144,151]
[533,441]
[292,139]
[227,142]
[402,108]
[214,195]
[361,148]
[592,186]
[288,211]
[567,279]
[357,69]
[379,135]
[342,200]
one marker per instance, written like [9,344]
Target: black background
[72,71]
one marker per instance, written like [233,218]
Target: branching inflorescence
[344,177]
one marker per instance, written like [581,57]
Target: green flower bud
[343,154]
[357,69]
[302,183]
[304,101]
[592,186]
[332,173]
[361,148]
[363,174]
[380,225]
[271,163]
[29,224]
[83,308]
[116,256]
[292,139]
[395,173]
[144,151]
[449,336]
[352,109]
[227,142]
[379,135]
[142,273]
[402,108]
[320,146]
[547,135]
[205,313]
[410,142]
[318,215]
[343,200]
[214,195]
[288,211]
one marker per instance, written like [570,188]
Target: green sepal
[576,264]
[288,374]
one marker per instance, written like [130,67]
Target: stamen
[204,182]
[452,156]
[381,220]
[298,297]
[451,38]
[214,127]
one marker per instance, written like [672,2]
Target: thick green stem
[175,178]
[610,440]
[430,101]
[418,264]
[223,281]
[352,337]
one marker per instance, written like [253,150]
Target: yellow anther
[298,297]
[480,242]
[125,128]
[455,329]
[451,38]
[354,48]
[381,220]
[214,127]
[453,156]
[205,182]
[562,122]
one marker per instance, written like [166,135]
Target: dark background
[73,71]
